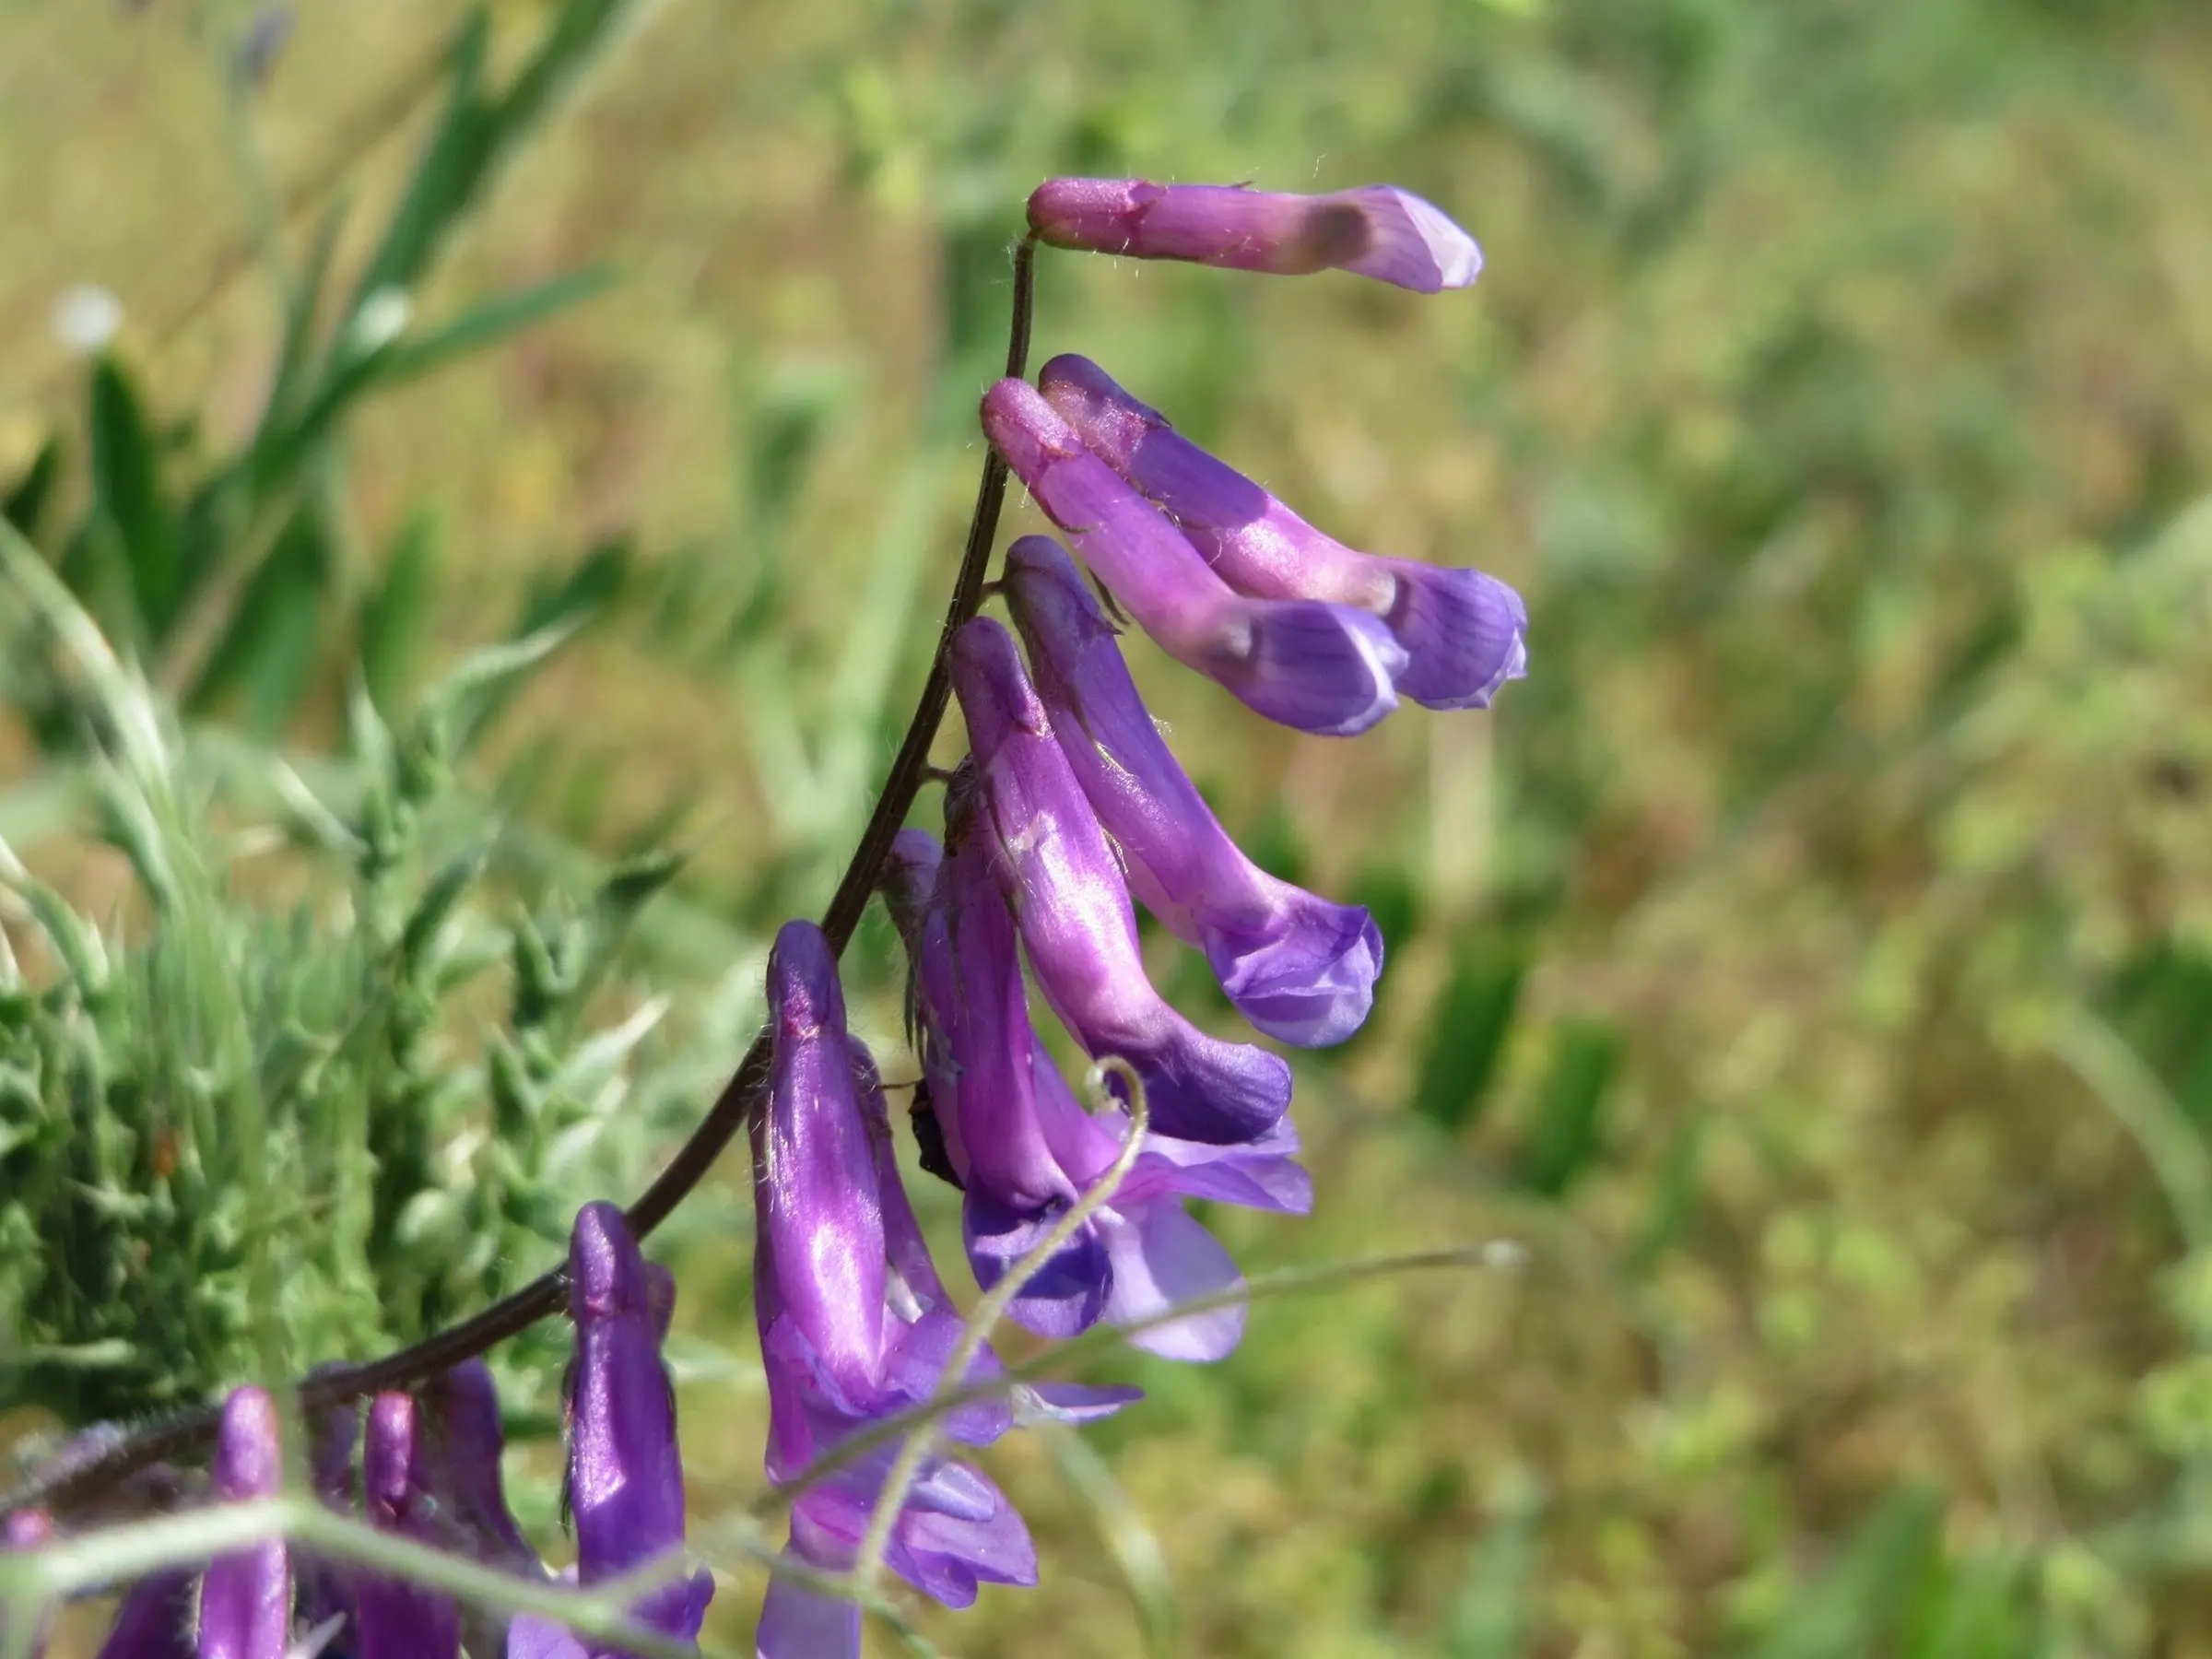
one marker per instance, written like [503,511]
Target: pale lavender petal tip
[796,1623]
[1308,977]
[1326,669]
[1465,634]
[1412,243]
[1162,1260]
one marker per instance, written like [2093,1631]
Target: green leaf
[128,495]
[270,645]
[487,322]
[1865,1593]
[395,616]
[1564,1140]
[24,505]
[1489,1620]
[1468,1030]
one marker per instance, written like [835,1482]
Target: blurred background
[1802,981]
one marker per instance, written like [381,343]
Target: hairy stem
[190,1431]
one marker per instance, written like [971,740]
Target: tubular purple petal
[814,1198]
[1301,968]
[1461,630]
[1317,667]
[626,1479]
[1376,230]
[245,1598]
[394,1618]
[1051,861]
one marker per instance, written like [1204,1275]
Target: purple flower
[626,1479]
[1033,1149]
[855,1326]
[392,1616]
[1377,231]
[1051,861]
[1318,668]
[1301,968]
[246,1597]
[1461,629]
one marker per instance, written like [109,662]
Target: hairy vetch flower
[1301,968]
[1053,862]
[855,1326]
[1376,230]
[1030,1149]
[1326,668]
[1461,630]
[625,1478]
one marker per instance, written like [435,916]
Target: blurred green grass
[1836,391]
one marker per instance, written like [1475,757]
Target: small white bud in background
[382,318]
[1505,1255]
[85,318]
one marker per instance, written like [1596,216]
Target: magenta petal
[1377,231]
[1162,1259]
[246,1597]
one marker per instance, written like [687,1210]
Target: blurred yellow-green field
[1802,982]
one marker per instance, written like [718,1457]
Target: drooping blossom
[855,1327]
[1052,862]
[1313,667]
[1376,230]
[626,1476]
[1299,968]
[246,1596]
[1462,629]
[1031,1149]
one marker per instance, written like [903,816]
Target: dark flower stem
[79,1480]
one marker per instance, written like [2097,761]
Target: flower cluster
[428,1470]
[1069,811]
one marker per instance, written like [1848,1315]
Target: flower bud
[1377,231]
